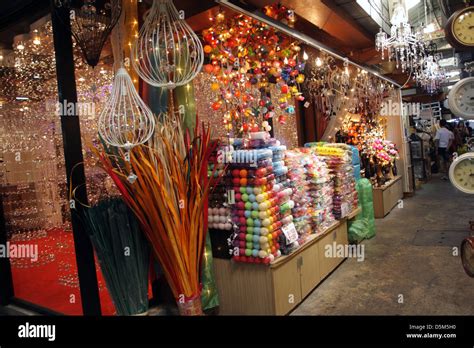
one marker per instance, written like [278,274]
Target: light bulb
[318,62]
[20,47]
[305,55]
[37,40]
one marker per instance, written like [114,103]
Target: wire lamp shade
[167,52]
[91,23]
[125,121]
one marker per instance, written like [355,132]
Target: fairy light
[318,62]
[305,55]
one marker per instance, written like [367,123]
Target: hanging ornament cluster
[91,23]
[167,52]
[281,13]
[125,121]
[247,58]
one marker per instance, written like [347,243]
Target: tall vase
[191,306]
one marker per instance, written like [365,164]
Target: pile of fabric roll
[295,161]
[320,192]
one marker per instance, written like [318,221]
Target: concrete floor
[409,256]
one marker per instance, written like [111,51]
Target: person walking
[443,140]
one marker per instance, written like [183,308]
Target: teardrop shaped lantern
[91,23]
[167,52]
[125,121]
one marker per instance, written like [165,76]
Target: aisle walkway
[412,256]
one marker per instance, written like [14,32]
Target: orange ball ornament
[208,68]
[214,86]
[216,105]
[207,49]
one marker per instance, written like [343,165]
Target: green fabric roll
[364,190]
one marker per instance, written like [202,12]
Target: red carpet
[40,283]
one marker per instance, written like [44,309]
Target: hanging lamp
[91,23]
[126,121]
[167,52]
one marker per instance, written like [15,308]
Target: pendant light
[167,52]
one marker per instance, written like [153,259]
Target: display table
[387,196]
[249,289]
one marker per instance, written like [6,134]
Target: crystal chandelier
[430,75]
[404,46]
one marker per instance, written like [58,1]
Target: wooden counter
[250,289]
[387,197]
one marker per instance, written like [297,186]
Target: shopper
[443,139]
[469,129]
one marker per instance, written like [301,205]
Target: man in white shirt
[443,139]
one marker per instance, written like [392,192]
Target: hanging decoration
[404,46]
[246,57]
[91,23]
[167,52]
[430,76]
[281,13]
[125,121]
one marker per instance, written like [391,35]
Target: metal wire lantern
[167,52]
[125,121]
[91,23]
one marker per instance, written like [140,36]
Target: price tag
[344,209]
[290,233]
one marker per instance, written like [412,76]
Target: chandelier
[430,75]
[404,46]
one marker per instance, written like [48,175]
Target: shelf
[354,213]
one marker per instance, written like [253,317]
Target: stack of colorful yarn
[284,193]
[256,211]
[219,217]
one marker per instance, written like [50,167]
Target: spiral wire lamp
[91,23]
[167,52]
[126,121]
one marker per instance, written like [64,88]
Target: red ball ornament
[292,62]
[245,127]
[216,69]
[216,105]
[282,119]
[236,173]
[284,89]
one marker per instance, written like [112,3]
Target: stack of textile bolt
[338,158]
[295,160]
[320,192]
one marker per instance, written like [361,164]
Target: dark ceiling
[16,17]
